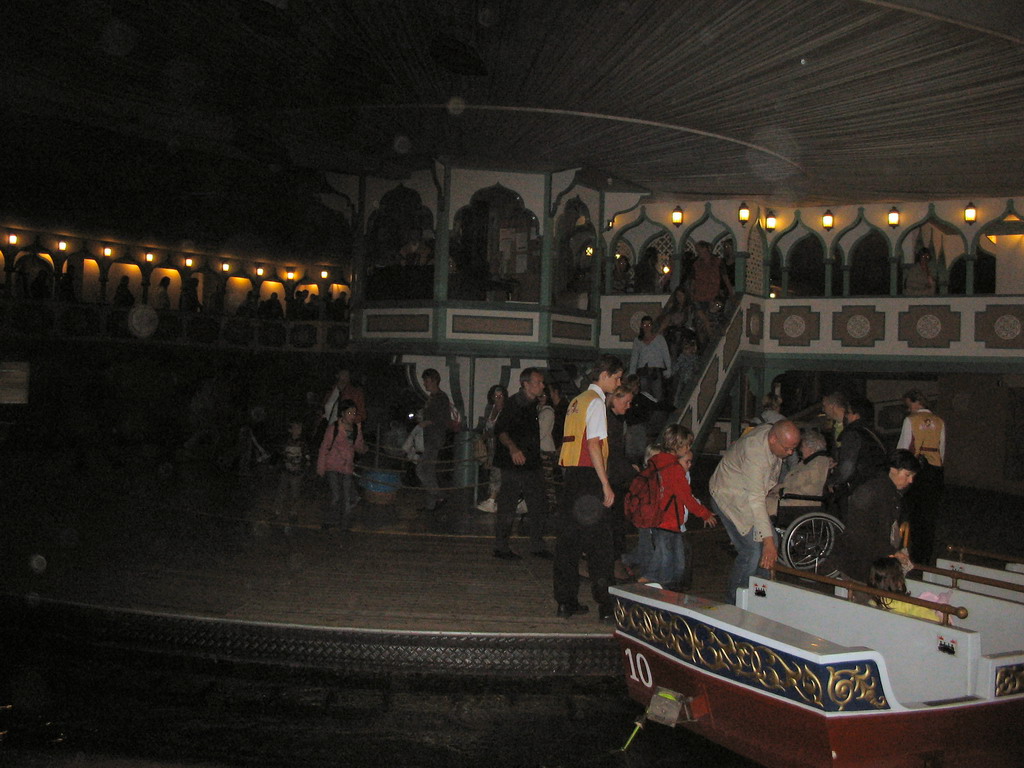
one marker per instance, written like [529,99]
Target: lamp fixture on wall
[894,217]
[290,274]
[188,262]
[611,224]
[12,239]
[828,220]
[259,271]
[225,267]
[62,245]
[149,257]
[677,216]
[770,221]
[108,251]
[743,214]
[323,274]
[970,213]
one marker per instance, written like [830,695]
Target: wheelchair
[807,534]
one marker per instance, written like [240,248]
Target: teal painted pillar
[829,266]
[785,280]
[602,271]
[547,249]
[441,240]
[464,471]
[969,262]
[894,277]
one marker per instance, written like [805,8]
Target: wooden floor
[399,569]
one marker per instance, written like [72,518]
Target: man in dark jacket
[872,517]
[861,455]
[517,454]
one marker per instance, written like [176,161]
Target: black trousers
[529,483]
[584,527]
[923,507]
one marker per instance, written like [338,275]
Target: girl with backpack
[659,503]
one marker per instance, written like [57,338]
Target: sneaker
[488,505]
[521,507]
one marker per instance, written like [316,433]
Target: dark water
[66,708]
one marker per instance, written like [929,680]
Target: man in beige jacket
[739,491]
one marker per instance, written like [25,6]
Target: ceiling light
[828,220]
[970,213]
[894,217]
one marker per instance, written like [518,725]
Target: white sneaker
[488,505]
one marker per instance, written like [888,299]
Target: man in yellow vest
[924,435]
[587,496]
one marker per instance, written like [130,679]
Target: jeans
[339,509]
[665,565]
[748,554]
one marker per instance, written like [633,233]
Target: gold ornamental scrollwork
[846,686]
[1010,680]
[718,651]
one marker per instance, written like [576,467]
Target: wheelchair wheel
[810,539]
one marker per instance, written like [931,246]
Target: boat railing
[857,592]
[958,576]
[956,549]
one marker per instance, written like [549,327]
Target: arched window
[495,249]
[869,266]
[984,275]
[806,268]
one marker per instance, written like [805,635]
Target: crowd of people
[543,455]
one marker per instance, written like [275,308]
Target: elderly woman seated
[807,478]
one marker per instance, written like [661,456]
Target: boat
[803,671]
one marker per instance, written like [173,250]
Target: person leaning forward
[739,490]
[584,517]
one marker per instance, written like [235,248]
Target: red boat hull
[779,733]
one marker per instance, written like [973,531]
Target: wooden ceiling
[787,101]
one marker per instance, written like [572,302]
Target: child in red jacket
[666,562]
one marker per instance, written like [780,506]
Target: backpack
[643,507]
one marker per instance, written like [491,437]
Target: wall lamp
[970,213]
[324,274]
[150,257]
[677,216]
[225,267]
[259,271]
[770,222]
[828,220]
[188,262]
[894,217]
[743,214]
[290,274]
